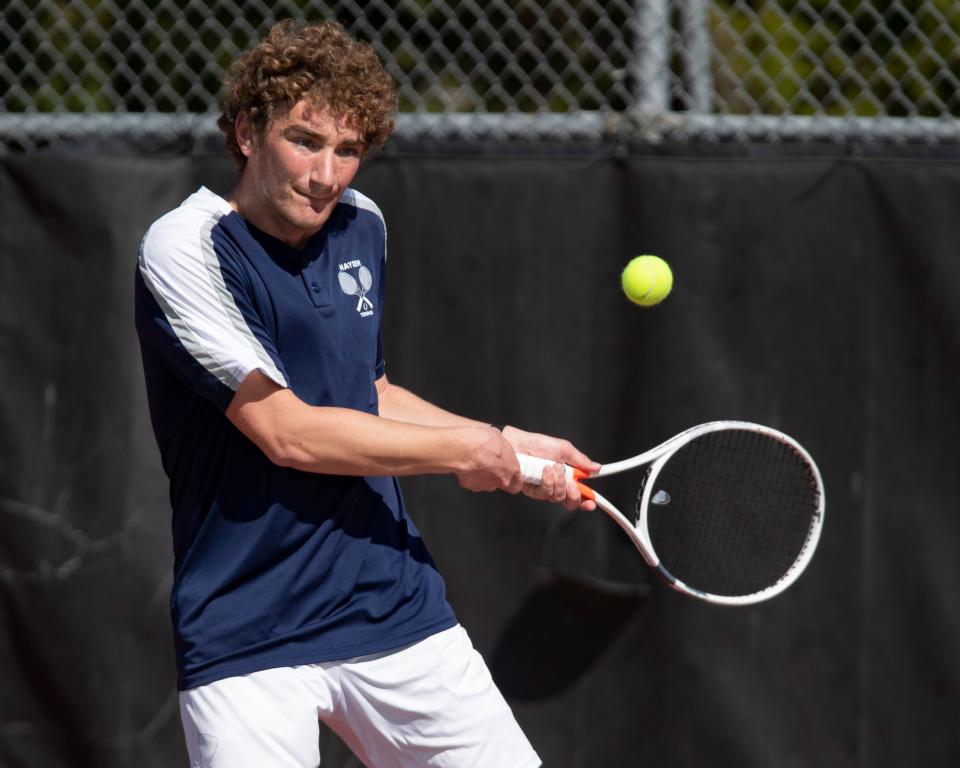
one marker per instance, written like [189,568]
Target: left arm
[403,405]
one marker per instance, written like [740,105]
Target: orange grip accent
[586,492]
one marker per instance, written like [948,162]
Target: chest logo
[357,286]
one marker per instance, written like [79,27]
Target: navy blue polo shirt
[274,566]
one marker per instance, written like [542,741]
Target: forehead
[318,119]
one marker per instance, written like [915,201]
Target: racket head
[348,283]
[366,278]
[730,512]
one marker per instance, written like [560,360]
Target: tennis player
[302,590]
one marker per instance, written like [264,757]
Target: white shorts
[429,704]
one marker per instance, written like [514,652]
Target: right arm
[344,441]
[187,315]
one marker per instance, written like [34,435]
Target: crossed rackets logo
[358,286]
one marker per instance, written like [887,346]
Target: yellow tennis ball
[647,280]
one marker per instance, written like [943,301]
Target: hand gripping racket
[728,511]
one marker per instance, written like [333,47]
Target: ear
[245,133]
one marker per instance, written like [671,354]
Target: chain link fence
[801,70]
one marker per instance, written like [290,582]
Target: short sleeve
[194,307]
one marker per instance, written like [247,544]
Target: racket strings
[741,512]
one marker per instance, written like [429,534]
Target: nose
[323,174]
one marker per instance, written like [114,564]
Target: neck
[245,201]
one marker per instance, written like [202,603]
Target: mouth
[315,201]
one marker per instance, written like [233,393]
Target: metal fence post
[696,55]
[649,68]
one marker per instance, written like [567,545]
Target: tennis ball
[647,280]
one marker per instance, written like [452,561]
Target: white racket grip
[532,468]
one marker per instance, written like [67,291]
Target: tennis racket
[728,512]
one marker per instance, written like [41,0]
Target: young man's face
[296,171]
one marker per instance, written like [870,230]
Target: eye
[350,150]
[306,142]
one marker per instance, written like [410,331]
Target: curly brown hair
[319,62]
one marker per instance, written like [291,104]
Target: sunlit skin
[296,171]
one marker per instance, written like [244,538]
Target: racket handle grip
[532,468]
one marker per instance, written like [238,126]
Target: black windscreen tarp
[818,294]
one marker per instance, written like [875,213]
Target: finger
[573,498]
[565,451]
[547,484]
[573,456]
[562,486]
[533,490]
[552,487]
[577,458]
[547,488]
[516,483]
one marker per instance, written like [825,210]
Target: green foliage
[795,57]
[838,57]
